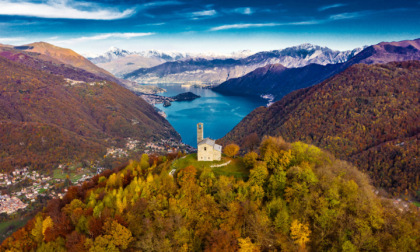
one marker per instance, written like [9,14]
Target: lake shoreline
[220,113]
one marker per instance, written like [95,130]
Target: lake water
[218,112]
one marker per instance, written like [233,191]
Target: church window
[205,148]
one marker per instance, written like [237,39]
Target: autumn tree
[37,229]
[250,159]
[300,233]
[231,150]
[246,245]
[275,152]
[251,141]
[144,162]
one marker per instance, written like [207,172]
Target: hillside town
[22,186]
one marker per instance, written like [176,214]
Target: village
[23,186]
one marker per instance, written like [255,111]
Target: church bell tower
[200,131]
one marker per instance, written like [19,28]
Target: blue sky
[202,26]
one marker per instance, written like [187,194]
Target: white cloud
[245,10]
[348,15]
[331,18]
[206,13]
[162,3]
[66,9]
[103,36]
[331,6]
[242,26]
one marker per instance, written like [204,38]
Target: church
[207,149]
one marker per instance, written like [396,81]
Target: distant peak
[41,44]
[113,48]
[309,46]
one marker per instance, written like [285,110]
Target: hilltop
[66,56]
[296,197]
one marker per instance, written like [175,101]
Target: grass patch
[59,174]
[235,168]
[416,203]
[8,227]
[75,177]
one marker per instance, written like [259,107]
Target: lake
[219,113]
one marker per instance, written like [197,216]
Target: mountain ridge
[368,114]
[67,56]
[215,71]
[279,83]
[52,113]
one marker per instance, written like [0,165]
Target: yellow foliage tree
[246,245]
[37,231]
[300,233]
[47,223]
[250,159]
[118,234]
[231,150]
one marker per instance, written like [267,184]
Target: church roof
[210,142]
[207,141]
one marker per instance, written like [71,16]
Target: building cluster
[16,176]
[39,184]
[131,144]
[116,152]
[167,146]
[20,195]
[10,204]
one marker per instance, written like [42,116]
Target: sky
[222,26]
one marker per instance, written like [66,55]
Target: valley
[218,112]
[238,126]
[68,126]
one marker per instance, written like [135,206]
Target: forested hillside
[369,115]
[297,198]
[278,80]
[47,118]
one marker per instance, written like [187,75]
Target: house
[207,149]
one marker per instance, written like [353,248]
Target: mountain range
[211,68]
[361,106]
[367,114]
[52,111]
[278,80]
[120,62]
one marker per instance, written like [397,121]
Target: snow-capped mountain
[115,53]
[302,55]
[217,70]
[112,54]
[167,56]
